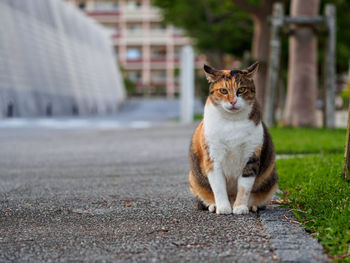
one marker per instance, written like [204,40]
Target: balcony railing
[96,13]
[139,60]
[158,59]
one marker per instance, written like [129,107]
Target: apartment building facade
[148,51]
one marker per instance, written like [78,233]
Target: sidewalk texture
[122,196]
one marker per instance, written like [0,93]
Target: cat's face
[231,90]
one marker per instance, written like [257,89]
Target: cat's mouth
[232,109]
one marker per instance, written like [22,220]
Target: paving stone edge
[290,241]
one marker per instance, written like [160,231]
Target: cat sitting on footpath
[232,156]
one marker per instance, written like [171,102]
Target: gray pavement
[122,196]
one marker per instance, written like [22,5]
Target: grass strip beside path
[320,199]
[299,140]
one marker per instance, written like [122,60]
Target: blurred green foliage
[343,32]
[224,27]
[215,27]
[345,95]
[130,87]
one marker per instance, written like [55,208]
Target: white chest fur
[232,139]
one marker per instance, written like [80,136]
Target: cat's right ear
[211,73]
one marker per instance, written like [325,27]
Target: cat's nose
[233,102]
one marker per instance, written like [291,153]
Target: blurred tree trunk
[300,109]
[260,46]
[261,50]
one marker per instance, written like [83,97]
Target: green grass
[302,140]
[198,116]
[315,185]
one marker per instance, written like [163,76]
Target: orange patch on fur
[261,198]
[201,149]
[205,195]
[242,196]
[216,95]
[258,151]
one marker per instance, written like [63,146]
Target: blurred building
[148,51]
[55,61]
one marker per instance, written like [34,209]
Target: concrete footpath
[121,195]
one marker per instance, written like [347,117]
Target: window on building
[177,52]
[82,5]
[158,52]
[158,76]
[106,6]
[133,4]
[133,54]
[134,27]
[158,27]
[134,76]
[178,31]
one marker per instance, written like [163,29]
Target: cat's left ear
[251,70]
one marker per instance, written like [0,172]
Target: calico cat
[231,153]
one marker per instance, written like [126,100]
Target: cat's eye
[223,91]
[241,90]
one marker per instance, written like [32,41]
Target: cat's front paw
[223,210]
[254,208]
[212,208]
[240,210]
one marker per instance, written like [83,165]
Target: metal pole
[186,84]
[329,71]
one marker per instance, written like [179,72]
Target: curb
[289,240]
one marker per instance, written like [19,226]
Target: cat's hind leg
[203,194]
[200,205]
[264,189]
[259,199]
[203,207]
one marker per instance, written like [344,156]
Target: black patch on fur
[252,167]
[208,69]
[255,114]
[212,71]
[267,152]
[200,205]
[234,72]
[268,183]
[197,171]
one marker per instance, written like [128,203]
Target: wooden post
[347,150]
[329,67]
[274,64]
